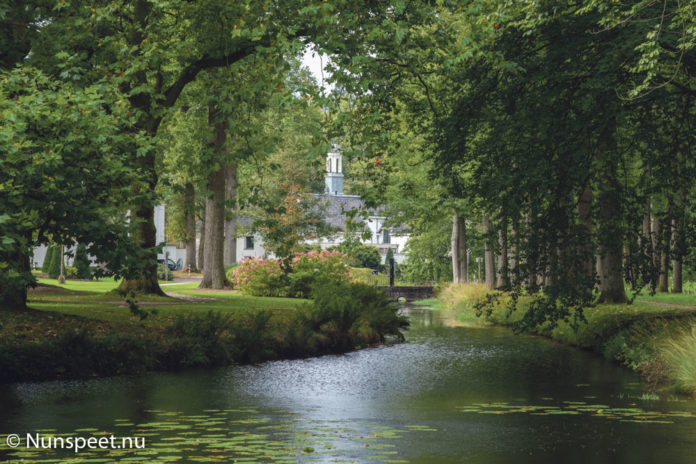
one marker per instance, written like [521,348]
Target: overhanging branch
[206,62]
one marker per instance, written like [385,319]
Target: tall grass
[463,296]
[461,299]
[679,353]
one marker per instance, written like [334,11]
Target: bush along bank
[341,316]
[655,340]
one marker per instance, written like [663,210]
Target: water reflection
[433,382]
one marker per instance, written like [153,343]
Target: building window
[386,238]
[249,242]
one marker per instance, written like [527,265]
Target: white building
[338,206]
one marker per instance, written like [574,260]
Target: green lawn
[683,299]
[83,329]
[92,300]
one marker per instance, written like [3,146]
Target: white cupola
[334,172]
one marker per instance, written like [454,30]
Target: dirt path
[187,298]
[667,305]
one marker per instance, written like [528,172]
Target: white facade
[250,246]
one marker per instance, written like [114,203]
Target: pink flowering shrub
[307,267]
[259,277]
[264,277]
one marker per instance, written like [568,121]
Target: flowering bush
[259,277]
[307,267]
[264,277]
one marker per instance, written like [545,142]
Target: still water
[449,395]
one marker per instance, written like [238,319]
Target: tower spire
[334,172]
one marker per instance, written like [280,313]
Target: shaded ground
[667,305]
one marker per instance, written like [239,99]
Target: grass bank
[656,335]
[81,330]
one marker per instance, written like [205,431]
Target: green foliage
[350,314]
[54,270]
[77,354]
[71,272]
[48,259]
[265,277]
[359,254]
[61,159]
[389,257]
[81,263]
[162,275]
[307,268]
[200,340]
[105,340]
[679,352]
[427,259]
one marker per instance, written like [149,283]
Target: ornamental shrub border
[265,276]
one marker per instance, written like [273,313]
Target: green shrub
[199,340]
[70,272]
[264,277]
[253,340]
[54,269]
[50,256]
[359,254]
[388,257]
[77,354]
[352,314]
[306,268]
[82,263]
[360,274]
[161,275]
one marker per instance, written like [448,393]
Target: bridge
[409,293]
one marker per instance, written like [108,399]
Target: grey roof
[337,208]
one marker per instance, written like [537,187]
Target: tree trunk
[201,244]
[456,277]
[646,244]
[489,256]
[655,231]
[610,231]
[145,235]
[461,245]
[665,236]
[14,295]
[532,255]
[679,240]
[143,210]
[190,215]
[514,253]
[586,250]
[61,276]
[503,274]
[231,216]
[677,233]
[214,268]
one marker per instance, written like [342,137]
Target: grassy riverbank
[655,336]
[81,329]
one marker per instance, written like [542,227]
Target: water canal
[449,395]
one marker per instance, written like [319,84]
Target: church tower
[334,172]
